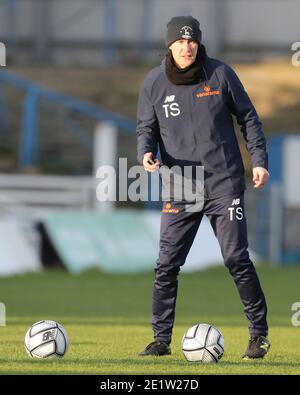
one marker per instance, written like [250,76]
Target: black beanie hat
[183,27]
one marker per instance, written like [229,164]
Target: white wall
[262,22]
[225,23]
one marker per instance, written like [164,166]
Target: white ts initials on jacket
[170,107]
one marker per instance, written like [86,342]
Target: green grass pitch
[107,318]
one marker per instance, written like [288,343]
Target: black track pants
[179,226]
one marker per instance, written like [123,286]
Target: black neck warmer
[189,75]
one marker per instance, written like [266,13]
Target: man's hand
[260,176]
[150,164]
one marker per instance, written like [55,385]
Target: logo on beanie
[186,32]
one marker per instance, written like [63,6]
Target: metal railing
[29,133]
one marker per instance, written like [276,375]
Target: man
[185,108]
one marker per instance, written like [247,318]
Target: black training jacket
[193,125]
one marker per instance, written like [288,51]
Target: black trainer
[156,348]
[257,348]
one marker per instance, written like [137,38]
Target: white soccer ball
[46,339]
[203,343]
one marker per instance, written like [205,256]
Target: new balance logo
[169,99]
[235,202]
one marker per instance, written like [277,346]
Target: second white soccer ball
[46,339]
[203,343]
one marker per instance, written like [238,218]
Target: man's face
[184,52]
